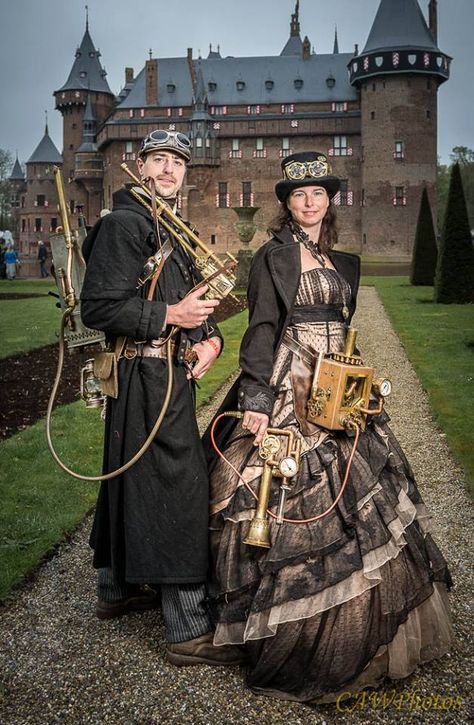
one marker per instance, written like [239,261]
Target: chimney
[192,70]
[356,49]
[151,68]
[128,75]
[306,48]
[433,19]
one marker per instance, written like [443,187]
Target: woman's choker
[312,247]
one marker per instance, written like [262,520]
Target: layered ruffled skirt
[342,602]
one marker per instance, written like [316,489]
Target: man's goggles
[172,140]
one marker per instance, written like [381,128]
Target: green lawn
[439,340]
[40,503]
[26,324]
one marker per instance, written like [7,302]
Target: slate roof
[17,172]
[253,72]
[87,72]
[399,24]
[46,152]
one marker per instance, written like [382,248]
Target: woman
[360,594]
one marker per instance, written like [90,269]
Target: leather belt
[155,348]
[319,313]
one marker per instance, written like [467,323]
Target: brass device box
[340,391]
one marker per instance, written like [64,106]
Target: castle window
[54,224]
[246,197]
[130,113]
[372,115]
[83,74]
[128,155]
[171,87]
[240,85]
[344,197]
[38,227]
[168,111]
[287,107]
[269,84]
[211,86]
[428,114]
[285,147]
[180,111]
[22,202]
[339,107]
[399,152]
[142,113]
[23,225]
[362,197]
[340,147]
[298,83]
[40,199]
[72,206]
[222,197]
[218,110]
[213,238]
[260,151]
[252,110]
[236,151]
[400,198]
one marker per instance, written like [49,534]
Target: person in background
[42,257]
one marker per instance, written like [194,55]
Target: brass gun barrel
[164,208]
[69,292]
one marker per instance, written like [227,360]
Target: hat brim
[285,186]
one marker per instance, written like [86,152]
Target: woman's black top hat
[307,168]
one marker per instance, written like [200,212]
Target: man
[42,255]
[150,525]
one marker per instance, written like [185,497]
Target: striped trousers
[185,609]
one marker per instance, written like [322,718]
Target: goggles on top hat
[172,140]
[297,170]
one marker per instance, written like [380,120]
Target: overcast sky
[38,40]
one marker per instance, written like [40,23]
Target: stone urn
[245,225]
[246,229]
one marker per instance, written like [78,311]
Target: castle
[373,112]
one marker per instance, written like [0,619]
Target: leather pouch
[106,370]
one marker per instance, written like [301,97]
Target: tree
[464,156]
[6,163]
[454,280]
[442,184]
[425,250]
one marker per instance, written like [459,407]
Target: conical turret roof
[17,172]
[399,24]
[87,72]
[46,152]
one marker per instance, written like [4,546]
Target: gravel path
[59,664]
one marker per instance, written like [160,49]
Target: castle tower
[89,171]
[294,44]
[39,217]
[398,74]
[17,184]
[87,78]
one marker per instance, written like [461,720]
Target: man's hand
[191,312]
[206,353]
[255,423]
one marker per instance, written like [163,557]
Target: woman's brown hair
[328,235]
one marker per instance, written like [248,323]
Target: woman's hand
[255,423]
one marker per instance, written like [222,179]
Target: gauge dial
[383,386]
[288,467]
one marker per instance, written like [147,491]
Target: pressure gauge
[288,467]
[383,386]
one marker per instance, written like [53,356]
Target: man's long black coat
[151,522]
